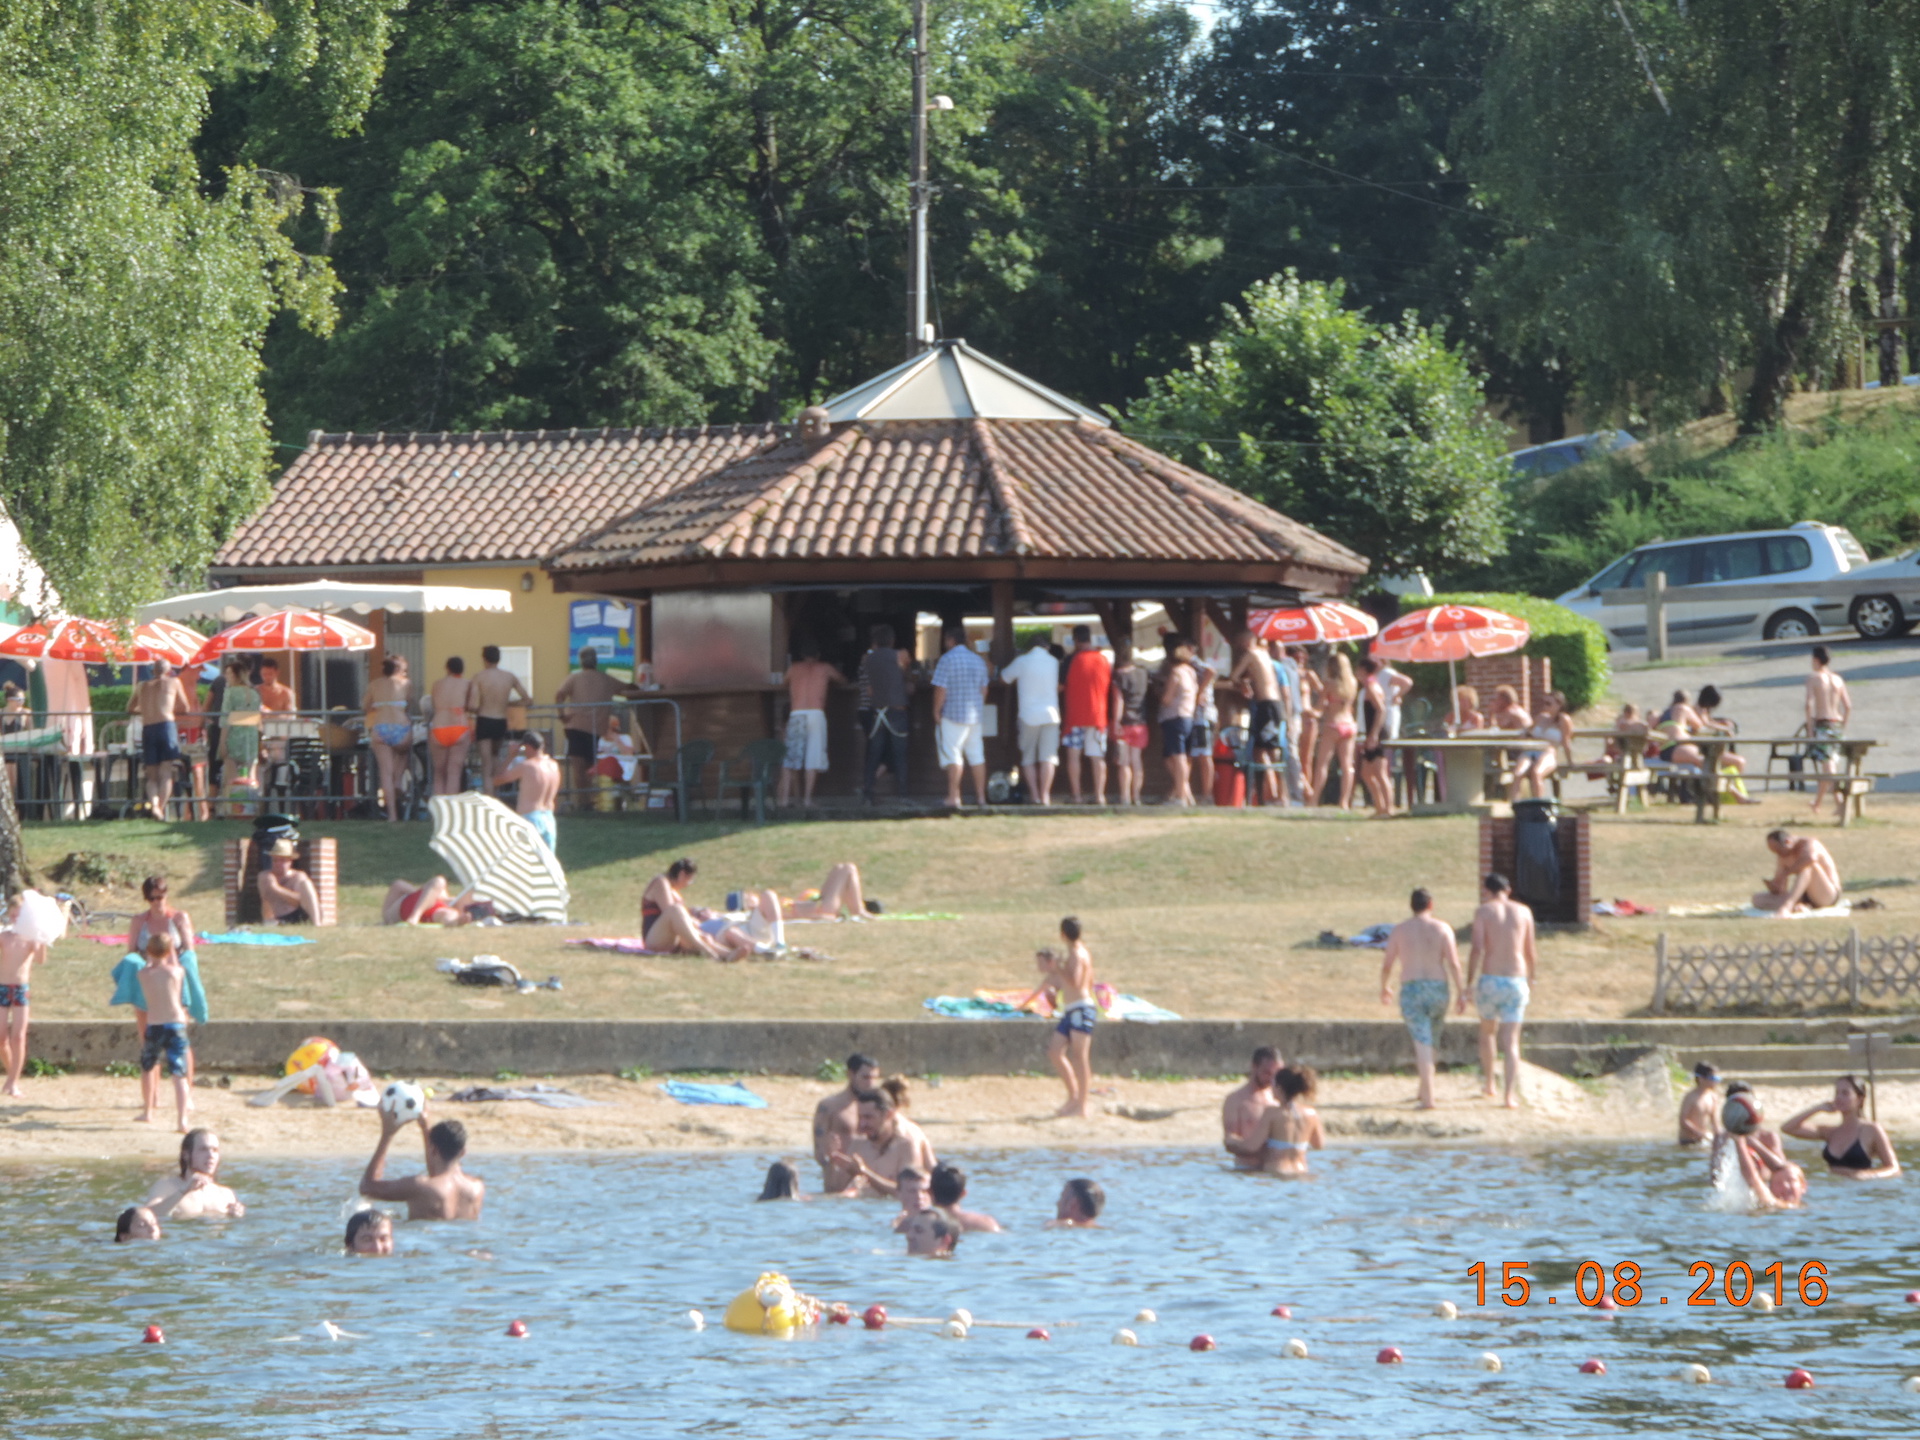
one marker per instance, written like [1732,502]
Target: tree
[1690,183]
[1375,434]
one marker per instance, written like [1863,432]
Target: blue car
[1536,462]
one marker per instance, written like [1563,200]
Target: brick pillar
[243,860]
[1573,836]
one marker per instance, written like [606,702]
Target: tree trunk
[15,874]
[1890,356]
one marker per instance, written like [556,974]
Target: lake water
[602,1256]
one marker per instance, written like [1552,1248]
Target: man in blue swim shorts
[1500,969]
[1070,1047]
[1424,949]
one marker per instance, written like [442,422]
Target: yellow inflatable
[314,1050]
[772,1307]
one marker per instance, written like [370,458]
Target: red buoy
[1201,1342]
[874,1317]
[1593,1367]
[1390,1356]
[516,1329]
[1799,1380]
[1039,1332]
[1281,1312]
[1913,1297]
[1605,1302]
[153,1336]
[839,1315]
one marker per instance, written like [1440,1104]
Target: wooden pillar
[1116,618]
[1236,616]
[1183,618]
[1001,650]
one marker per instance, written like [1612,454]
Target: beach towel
[619,945]
[1731,911]
[553,1096]
[1374,937]
[1005,1005]
[1623,908]
[255,937]
[698,1092]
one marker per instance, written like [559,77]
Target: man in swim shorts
[494,690]
[586,699]
[539,781]
[1804,877]
[1500,970]
[1070,1047]
[287,895]
[1828,708]
[446,1191]
[1423,947]
[1244,1108]
[159,702]
[806,757]
[161,984]
[836,1120]
[18,955]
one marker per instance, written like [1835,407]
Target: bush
[1576,645]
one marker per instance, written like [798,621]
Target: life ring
[771,1306]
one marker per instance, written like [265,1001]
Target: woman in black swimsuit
[1855,1148]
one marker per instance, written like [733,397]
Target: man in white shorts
[959,706]
[1036,677]
[807,681]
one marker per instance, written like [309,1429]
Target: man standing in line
[539,781]
[807,680]
[883,670]
[158,701]
[1088,715]
[836,1120]
[1244,1110]
[1287,662]
[1500,969]
[275,698]
[1424,949]
[1036,679]
[959,706]
[584,699]
[1258,676]
[1829,707]
[494,690]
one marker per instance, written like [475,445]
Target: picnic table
[1465,764]
[1711,787]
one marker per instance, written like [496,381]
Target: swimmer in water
[1854,1147]
[931,1232]
[1772,1181]
[1700,1107]
[913,1195]
[369,1232]
[195,1192]
[836,1120]
[947,1187]
[1293,1126]
[446,1191]
[136,1222]
[783,1183]
[887,1140]
[1081,1201]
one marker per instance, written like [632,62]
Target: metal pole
[917,192]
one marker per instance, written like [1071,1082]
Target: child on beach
[162,983]
[1070,1047]
[18,956]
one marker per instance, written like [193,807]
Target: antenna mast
[918,192]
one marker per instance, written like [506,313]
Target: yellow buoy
[771,1306]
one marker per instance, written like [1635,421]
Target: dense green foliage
[1576,645]
[1371,433]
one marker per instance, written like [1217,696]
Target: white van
[1807,551]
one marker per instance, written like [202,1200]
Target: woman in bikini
[670,928]
[1292,1127]
[1854,1148]
[1553,725]
[389,729]
[428,904]
[1339,733]
[452,728]
[1376,772]
[159,918]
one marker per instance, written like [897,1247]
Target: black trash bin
[1536,855]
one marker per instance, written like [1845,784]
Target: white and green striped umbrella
[498,855]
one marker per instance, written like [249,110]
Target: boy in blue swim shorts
[1500,970]
[162,982]
[1424,949]
[1070,1047]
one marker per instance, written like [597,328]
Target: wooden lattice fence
[1794,974]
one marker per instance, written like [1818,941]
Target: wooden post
[1002,646]
[1116,618]
[1853,967]
[1660,974]
[1657,615]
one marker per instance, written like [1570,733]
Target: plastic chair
[689,762]
[759,761]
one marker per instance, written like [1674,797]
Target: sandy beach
[91,1117]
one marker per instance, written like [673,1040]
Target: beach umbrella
[1313,624]
[289,629]
[499,855]
[329,597]
[95,643]
[1451,633]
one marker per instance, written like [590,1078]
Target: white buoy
[1295,1349]
[1447,1310]
[1125,1337]
[1763,1301]
[954,1330]
[1911,1384]
[964,1316]
[1146,1317]
[1490,1361]
[1696,1374]
[696,1320]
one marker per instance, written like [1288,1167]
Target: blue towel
[698,1092]
[127,991]
[963,1007]
[254,937]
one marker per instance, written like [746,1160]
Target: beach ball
[403,1101]
[314,1050]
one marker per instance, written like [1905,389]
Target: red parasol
[95,643]
[286,630]
[1312,624]
[1450,633]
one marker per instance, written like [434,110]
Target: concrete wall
[948,1047]
[539,619]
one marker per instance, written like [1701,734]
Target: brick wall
[1574,835]
[243,860]
[1529,675]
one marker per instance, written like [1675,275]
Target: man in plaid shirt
[959,704]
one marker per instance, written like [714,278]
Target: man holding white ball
[446,1191]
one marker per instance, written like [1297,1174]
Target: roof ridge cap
[779,485]
[1001,485]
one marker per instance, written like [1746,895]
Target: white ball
[1125,1337]
[696,1319]
[1447,1310]
[1763,1302]
[1295,1349]
[954,1330]
[1146,1317]
[1490,1361]
[403,1101]
[1696,1374]
[1911,1384]
[963,1317]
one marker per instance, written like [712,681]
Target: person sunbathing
[428,904]
[1805,877]
[670,927]
[840,895]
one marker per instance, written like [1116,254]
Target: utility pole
[918,192]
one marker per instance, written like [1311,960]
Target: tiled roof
[360,500]
[959,489]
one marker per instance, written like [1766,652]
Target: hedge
[1576,645]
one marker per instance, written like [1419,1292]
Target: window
[1849,547]
[1610,578]
[1730,560]
[1787,553]
[1676,561]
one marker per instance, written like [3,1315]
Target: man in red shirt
[1084,720]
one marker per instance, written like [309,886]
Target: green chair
[753,772]
[689,763]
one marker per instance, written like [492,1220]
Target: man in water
[370,1232]
[929,1232]
[1700,1107]
[494,690]
[446,1191]
[886,1142]
[1243,1109]
[584,698]
[287,895]
[159,701]
[947,1187]
[1503,960]
[1081,1201]
[913,1195]
[836,1120]
[1805,877]
[807,681]
[194,1191]
[539,781]
[1424,949]
[1828,708]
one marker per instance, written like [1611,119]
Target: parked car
[1536,462]
[1882,614]
[1805,552]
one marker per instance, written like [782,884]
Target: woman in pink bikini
[1339,732]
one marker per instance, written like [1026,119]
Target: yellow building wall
[539,620]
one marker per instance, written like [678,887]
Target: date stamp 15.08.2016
[1595,1286]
